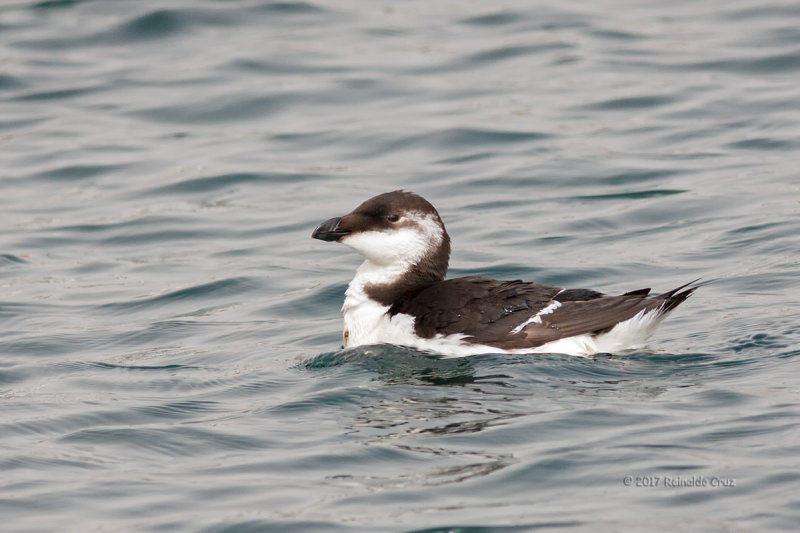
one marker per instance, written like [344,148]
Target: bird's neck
[386,284]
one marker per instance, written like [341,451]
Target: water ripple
[226,181]
[635,102]
[767,65]
[201,292]
[171,332]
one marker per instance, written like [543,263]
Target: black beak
[329,230]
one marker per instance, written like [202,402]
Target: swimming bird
[400,296]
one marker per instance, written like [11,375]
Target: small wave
[201,292]
[59,94]
[219,182]
[764,143]
[13,259]
[77,172]
[490,58]
[634,195]
[222,109]
[291,8]
[171,442]
[628,103]
[773,64]
[8,82]
[503,18]
[56,4]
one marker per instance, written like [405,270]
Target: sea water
[169,351]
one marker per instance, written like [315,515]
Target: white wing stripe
[537,318]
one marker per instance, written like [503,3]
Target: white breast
[365,320]
[368,322]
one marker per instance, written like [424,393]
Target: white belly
[368,322]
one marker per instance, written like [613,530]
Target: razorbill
[399,294]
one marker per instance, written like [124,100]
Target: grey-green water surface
[169,348]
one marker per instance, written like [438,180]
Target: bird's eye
[393,218]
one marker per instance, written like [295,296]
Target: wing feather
[499,313]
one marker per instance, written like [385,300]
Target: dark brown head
[399,230]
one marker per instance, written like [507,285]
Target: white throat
[399,247]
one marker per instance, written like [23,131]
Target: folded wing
[516,314]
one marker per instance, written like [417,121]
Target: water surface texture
[169,350]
